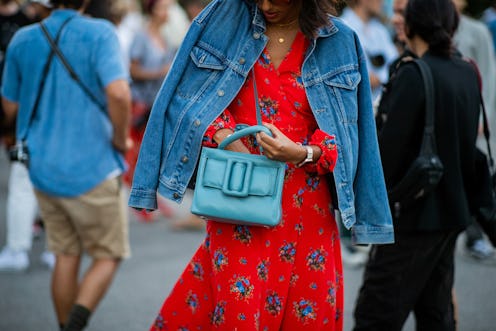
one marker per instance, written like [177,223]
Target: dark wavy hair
[149,5]
[314,14]
[435,21]
[75,4]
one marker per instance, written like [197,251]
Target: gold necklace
[285,26]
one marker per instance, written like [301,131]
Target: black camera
[19,152]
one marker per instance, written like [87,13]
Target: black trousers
[414,274]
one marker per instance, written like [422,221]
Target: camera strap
[70,70]
[43,80]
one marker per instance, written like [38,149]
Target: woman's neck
[418,45]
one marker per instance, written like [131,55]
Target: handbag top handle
[429,140]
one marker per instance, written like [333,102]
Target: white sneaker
[11,260]
[480,250]
[48,259]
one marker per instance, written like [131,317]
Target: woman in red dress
[288,277]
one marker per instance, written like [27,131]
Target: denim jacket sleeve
[144,188]
[373,216]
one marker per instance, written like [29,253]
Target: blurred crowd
[149,34]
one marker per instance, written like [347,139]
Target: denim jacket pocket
[344,86]
[204,59]
[205,67]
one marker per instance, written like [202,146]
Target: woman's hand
[280,147]
[236,146]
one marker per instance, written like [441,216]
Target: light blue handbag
[239,188]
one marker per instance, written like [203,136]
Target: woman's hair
[99,9]
[314,14]
[149,5]
[435,21]
[75,4]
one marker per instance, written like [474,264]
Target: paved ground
[159,255]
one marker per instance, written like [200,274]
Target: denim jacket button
[256,35]
[220,93]
[197,123]
[242,60]
[176,196]
[184,159]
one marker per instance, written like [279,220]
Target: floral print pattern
[284,278]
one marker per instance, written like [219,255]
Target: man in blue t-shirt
[76,134]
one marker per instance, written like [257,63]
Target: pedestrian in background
[75,136]
[364,16]
[151,57]
[193,7]
[22,208]
[473,40]
[290,276]
[416,273]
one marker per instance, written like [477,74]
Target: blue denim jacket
[221,47]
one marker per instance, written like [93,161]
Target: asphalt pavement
[159,254]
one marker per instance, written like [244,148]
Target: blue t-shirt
[69,139]
[153,58]
[492,27]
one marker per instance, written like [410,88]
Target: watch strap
[308,158]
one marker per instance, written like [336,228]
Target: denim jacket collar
[327,30]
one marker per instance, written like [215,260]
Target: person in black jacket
[416,272]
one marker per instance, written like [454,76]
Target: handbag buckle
[237,177]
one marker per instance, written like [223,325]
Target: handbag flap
[239,174]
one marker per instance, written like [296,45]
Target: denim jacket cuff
[143,199]
[366,234]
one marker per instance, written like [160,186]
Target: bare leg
[65,284]
[96,281]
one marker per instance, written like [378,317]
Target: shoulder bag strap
[485,123]
[255,93]
[257,104]
[43,80]
[71,71]
[429,139]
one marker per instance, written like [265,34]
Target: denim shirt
[70,137]
[222,45]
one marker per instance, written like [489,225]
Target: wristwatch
[309,157]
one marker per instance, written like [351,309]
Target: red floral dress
[285,278]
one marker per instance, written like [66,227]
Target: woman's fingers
[278,147]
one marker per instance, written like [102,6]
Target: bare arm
[10,109]
[139,73]
[119,109]
[374,80]
[235,146]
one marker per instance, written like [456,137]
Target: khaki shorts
[95,222]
